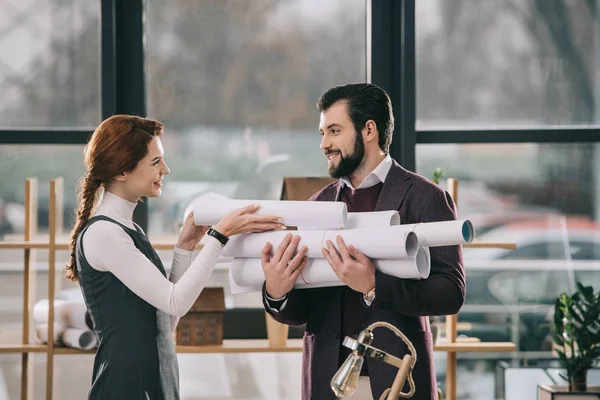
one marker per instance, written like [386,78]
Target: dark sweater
[359,200]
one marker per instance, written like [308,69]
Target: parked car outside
[511,293]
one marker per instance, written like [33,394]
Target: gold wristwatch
[369,296]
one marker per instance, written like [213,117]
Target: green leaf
[558,339]
[562,358]
[565,377]
[576,328]
[438,173]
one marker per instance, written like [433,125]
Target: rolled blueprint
[80,339]
[377,242]
[40,310]
[208,210]
[66,313]
[372,242]
[417,267]
[318,273]
[373,219]
[71,294]
[443,233]
[42,332]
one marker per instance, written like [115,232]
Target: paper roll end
[395,220]
[411,244]
[87,340]
[468,231]
[423,260]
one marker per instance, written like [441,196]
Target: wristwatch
[218,235]
[369,296]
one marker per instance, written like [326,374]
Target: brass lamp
[345,379]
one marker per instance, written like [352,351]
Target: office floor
[207,377]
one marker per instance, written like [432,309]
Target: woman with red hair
[133,304]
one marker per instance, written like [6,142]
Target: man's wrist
[275,298]
[369,296]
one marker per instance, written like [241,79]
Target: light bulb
[345,379]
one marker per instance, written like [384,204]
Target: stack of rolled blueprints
[72,326]
[400,250]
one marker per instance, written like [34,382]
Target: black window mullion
[393,69]
[538,135]
[108,81]
[129,72]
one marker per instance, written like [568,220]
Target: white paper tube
[72,294]
[42,332]
[40,310]
[418,266]
[208,210]
[372,242]
[317,285]
[377,242]
[443,233]
[70,314]
[250,245]
[80,339]
[73,315]
[373,219]
[248,272]
[234,288]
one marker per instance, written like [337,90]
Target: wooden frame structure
[451,345]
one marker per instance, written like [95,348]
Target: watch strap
[218,235]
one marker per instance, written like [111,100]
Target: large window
[43,162]
[49,63]
[509,80]
[493,64]
[544,198]
[236,84]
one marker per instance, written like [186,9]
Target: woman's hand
[243,220]
[190,234]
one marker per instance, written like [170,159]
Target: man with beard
[356,126]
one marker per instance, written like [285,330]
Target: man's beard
[349,163]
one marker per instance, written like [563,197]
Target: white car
[511,292]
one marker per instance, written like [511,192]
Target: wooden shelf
[70,350]
[38,244]
[245,346]
[262,346]
[474,346]
[228,346]
[490,245]
[23,244]
[23,348]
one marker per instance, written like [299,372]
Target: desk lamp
[345,379]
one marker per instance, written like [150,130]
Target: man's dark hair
[365,101]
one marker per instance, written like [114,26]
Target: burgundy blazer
[407,304]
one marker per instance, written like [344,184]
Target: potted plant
[576,336]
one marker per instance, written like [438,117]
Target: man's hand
[282,269]
[350,265]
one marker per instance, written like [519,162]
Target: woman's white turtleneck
[107,247]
